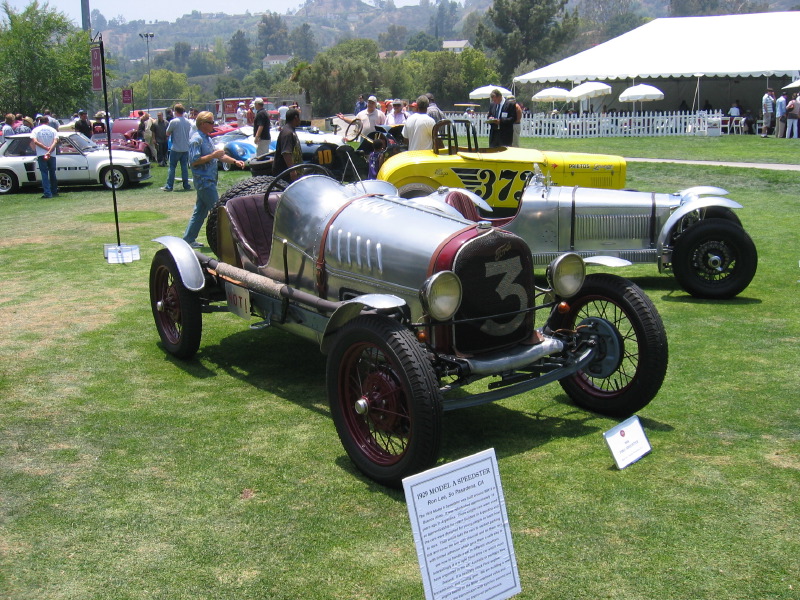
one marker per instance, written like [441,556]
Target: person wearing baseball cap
[261,125]
[370,117]
[397,116]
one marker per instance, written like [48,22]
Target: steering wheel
[353,130]
[279,180]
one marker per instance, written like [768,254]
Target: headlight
[441,295]
[566,274]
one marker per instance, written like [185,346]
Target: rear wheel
[623,384]
[714,259]
[176,309]
[384,399]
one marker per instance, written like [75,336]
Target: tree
[182,51]
[444,20]
[273,36]
[394,38]
[166,87]
[203,62]
[302,43]
[526,30]
[45,61]
[422,41]
[99,22]
[228,87]
[239,51]
[340,73]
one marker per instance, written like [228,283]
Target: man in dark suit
[502,114]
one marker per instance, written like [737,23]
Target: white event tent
[690,49]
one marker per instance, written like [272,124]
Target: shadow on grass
[271,361]
[284,366]
[652,285]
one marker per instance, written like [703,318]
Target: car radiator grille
[612,227]
[496,272]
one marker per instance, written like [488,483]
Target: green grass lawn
[127,474]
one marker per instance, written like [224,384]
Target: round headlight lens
[566,274]
[441,295]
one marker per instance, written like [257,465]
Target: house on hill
[275,60]
[456,46]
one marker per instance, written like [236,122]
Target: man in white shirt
[418,129]
[370,117]
[241,115]
[44,139]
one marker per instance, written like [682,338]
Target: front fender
[352,308]
[684,209]
[186,260]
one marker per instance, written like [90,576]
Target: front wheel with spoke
[176,309]
[638,371]
[384,399]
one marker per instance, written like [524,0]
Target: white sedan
[78,161]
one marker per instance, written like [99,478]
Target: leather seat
[251,228]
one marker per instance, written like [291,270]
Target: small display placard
[627,442]
[121,254]
[461,531]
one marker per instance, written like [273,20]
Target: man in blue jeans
[203,157]
[44,139]
[178,131]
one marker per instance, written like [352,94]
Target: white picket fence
[640,124]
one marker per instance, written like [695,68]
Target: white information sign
[121,254]
[461,531]
[627,442]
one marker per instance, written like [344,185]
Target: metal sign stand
[114,253]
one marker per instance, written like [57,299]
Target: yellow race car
[498,175]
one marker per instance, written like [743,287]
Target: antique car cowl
[355,241]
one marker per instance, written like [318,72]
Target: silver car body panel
[634,226]
[356,237]
[186,260]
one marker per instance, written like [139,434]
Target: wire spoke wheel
[384,399]
[631,364]
[176,310]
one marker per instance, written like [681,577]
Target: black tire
[246,187]
[643,362]
[377,364]
[8,182]
[714,259]
[114,177]
[415,190]
[177,311]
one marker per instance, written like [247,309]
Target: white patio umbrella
[551,94]
[792,86]
[641,93]
[485,91]
[589,89]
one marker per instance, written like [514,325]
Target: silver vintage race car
[694,233]
[412,304]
